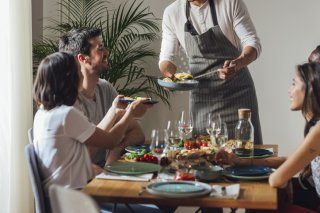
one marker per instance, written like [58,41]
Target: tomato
[137,159]
[198,144]
[205,143]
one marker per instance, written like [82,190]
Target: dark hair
[76,41]
[315,55]
[310,75]
[57,81]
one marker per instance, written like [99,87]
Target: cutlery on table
[143,189]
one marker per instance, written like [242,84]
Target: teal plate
[260,177]
[182,85]
[258,153]
[138,148]
[179,189]
[132,168]
[248,170]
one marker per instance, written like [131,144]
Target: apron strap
[188,26]
[213,12]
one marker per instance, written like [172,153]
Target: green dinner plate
[132,168]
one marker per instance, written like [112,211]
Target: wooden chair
[30,135]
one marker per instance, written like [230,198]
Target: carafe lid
[244,113]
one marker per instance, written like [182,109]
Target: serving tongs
[207,74]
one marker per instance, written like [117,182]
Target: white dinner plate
[179,189]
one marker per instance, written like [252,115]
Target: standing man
[216,35]
[96,95]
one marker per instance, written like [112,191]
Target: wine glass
[213,127]
[222,135]
[158,146]
[185,124]
[173,134]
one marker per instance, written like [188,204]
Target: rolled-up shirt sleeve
[244,27]
[170,42]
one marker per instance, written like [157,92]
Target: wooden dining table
[253,195]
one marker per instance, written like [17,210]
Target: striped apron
[214,95]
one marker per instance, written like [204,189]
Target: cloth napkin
[227,192]
[113,176]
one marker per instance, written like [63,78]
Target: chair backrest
[65,200]
[41,202]
[30,135]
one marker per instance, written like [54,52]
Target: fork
[143,188]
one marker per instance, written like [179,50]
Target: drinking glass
[213,127]
[173,134]
[158,146]
[185,124]
[222,136]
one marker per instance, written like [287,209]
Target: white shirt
[96,109]
[233,19]
[59,136]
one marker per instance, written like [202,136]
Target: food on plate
[142,156]
[182,174]
[183,76]
[128,100]
[180,77]
[197,143]
[135,98]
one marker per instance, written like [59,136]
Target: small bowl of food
[184,174]
[208,174]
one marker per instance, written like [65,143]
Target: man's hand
[223,157]
[228,70]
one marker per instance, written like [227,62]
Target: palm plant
[127,32]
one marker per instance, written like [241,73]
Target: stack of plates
[179,189]
[248,172]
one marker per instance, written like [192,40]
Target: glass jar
[244,134]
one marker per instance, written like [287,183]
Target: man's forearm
[248,55]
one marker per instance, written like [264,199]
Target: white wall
[288,30]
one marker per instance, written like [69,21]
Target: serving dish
[183,85]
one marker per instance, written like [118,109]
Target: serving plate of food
[183,81]
[128,100]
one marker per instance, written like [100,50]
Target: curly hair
[76,41]
[57,81]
